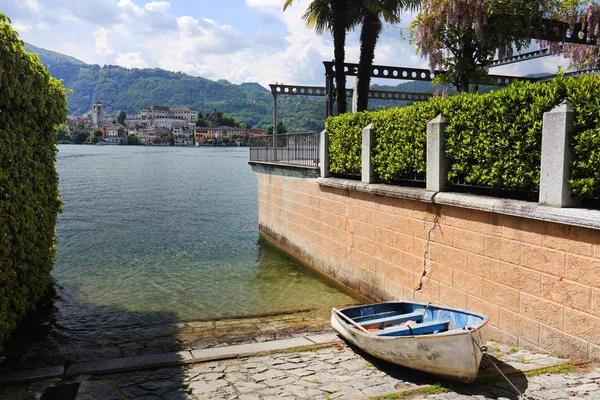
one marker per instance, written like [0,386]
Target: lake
[150,235]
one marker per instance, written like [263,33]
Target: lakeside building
[115,134]
[217,133]
[183,136]
[164,117]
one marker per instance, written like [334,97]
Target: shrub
[345,139]
[584,94]
[396,155]
[32,105]
[492,140]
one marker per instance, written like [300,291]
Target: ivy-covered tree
[32,105]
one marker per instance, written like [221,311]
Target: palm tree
[331,15]
[372,11]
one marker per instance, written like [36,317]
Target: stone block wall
[538,281]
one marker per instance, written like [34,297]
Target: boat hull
[454,354]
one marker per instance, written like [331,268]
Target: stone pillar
[557,155]
[324,154]
[368,141]
[437,164]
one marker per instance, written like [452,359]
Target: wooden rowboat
[439,340]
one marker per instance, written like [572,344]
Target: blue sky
[237,40]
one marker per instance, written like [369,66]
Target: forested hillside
[131,89]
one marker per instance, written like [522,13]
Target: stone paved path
[158,338]
[325,372]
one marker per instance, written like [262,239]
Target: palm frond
[287,4]
[319,16]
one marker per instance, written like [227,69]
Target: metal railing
[299,149]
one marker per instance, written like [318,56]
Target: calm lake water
[149,232]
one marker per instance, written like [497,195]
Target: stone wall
[538,280]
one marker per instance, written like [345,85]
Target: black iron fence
[300,149]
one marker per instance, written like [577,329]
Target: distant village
[156,125]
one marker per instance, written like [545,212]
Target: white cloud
[127,5]
[102,46]
[21,26]
[131,60]
[158,6]
[280,48]
[33,5]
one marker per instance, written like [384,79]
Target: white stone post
[324,159]
[557,155]
[437,164]
[368,141]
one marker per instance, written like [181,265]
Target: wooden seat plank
[417,329]
[374,316]
[415,316]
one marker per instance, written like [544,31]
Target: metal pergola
[321,91]
[390,72]
[547,29]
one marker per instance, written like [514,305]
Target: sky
[236,40]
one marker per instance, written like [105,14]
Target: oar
[338,312]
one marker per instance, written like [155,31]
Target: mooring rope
[484,350]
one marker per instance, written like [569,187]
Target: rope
[484,351]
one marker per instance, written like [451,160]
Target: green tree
[132,140]
[98,133]
[371,15]
[281,128]
[33,105]
[121,118]
[64,135]
[80,137]
[334,16]
[462,37]
[225,139]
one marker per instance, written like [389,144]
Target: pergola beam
[319,91]
[521,57]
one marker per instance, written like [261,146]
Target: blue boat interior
[409,319]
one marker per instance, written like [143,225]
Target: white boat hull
[454,354]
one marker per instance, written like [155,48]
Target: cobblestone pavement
[328,372]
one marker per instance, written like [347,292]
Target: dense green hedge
[492,140]
[32,104]
[396,155]
[584,94]
[495,140]
[345,139]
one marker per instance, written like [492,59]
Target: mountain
[131,89]
[126,89]
[49,57]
